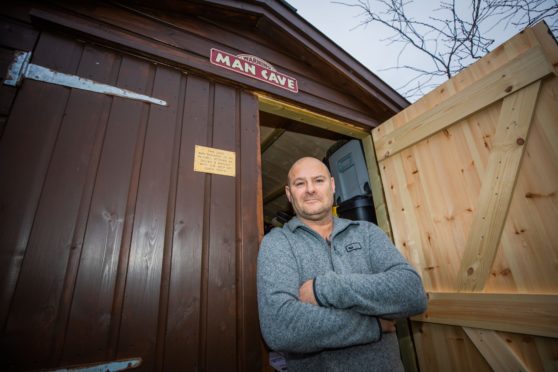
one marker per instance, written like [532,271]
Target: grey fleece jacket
[359,276]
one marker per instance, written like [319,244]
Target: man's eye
[298,184]
[319,180]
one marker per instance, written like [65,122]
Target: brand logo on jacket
[353,247]
[253,67]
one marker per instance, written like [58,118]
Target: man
[328,288]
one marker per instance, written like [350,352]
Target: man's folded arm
[395,291]
[290,325]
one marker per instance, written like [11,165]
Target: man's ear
[333,184]
[288,192]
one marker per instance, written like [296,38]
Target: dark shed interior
[283,141]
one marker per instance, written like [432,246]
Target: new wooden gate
[470,174]
[111,245]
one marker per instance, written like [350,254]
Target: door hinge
[21,68]
[112,366]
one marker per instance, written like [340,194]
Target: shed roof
[279,21]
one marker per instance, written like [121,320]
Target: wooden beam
[518,73]
[497,189]
[495,350]
[376,186]
[286,110]
[274,194]
[533,314]
[270,140]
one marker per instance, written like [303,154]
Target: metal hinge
[113,366]
[21,68]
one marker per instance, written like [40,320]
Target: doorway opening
[288,133]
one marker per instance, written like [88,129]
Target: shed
[113,244]
[147,145]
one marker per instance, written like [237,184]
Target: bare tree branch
[454,36]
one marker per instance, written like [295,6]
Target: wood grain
[439,188]
[185,310]
[532,314]
[376,185]
[498,185]
[518,73]
[145,266]
[249,213]
[41,193]
[495,350]
[222,243]
[446,348]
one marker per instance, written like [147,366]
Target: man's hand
[306,292]
[388,326]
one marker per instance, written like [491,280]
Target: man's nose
[310,188]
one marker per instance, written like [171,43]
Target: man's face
[310,189]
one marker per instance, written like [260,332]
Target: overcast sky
[367,43]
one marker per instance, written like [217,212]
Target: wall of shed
[186,40]
[111,245]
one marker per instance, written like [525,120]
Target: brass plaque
[215,161]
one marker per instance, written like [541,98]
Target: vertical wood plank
[249,206]
[95,288]
[29,136]
[183,330]
[406,347]
[164,300]
[127,236]
[497,189]
[221,286]
[37,302]
[403,209]
[94,110]
[143,283]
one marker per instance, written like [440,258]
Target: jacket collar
[339,224]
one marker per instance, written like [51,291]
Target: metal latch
[21,68]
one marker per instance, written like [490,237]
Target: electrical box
[348,168]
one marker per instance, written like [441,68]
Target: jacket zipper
[328,243]
[330,252]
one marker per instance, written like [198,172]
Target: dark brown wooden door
[111,246]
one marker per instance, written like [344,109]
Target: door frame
[287,110]
[281,108]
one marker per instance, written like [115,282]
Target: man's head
[310,189]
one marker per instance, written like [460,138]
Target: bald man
[329,288]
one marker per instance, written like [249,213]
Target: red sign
[253,67]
